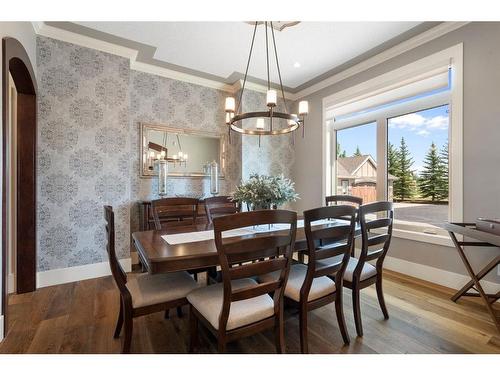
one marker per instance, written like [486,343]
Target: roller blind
[429,82]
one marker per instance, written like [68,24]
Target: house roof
[352,163]
[347,167]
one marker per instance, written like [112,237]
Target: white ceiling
[221,48]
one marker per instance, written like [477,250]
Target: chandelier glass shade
[269,121]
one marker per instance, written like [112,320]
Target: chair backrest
[220,206]
[335,199]
[338,236]
[177,208]
[117,271]
[380,216]
[267,252]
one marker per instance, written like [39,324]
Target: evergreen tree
[444,155]
[433,182]
[404,186]
[340,153]
[393,160]
[357,152]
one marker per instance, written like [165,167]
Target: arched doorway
[15,61]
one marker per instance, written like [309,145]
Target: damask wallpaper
[90,107]
[275,154]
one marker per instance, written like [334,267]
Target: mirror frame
[162,127]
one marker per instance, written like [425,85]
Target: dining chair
[174,209]
[360,274]
[239,306]
[144,294]
[219,206]
[319,283]
[336,199]
[215,207]
[343,199]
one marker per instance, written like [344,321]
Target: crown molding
[407,45]
[41,28]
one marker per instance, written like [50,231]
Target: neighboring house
[357,175]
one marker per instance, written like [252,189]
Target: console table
[480,238]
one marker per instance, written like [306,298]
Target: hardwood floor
[79,318]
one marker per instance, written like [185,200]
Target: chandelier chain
[278,67]
[246,71]
[267,59]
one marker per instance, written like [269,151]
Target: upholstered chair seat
[149,290]
[321,286]
[208,302]
[367,271]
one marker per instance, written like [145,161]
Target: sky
[419,129]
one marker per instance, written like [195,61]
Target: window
[398,137]
[417,166]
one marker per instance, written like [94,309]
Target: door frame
[15,60]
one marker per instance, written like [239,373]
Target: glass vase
[162,177]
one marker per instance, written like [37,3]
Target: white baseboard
[72,274]
[1,328]
[134,257]
[435,275]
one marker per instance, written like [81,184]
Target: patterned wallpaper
[275,154]
[83,137]
[90,106]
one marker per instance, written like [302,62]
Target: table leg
[475,281]
[480,275]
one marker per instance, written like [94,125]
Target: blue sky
[419,129]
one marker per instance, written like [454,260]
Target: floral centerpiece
[265,192]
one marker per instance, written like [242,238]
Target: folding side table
[480,238]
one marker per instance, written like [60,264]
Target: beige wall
[481,135]
[366,170]
[22,31]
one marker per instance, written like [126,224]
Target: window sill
[435,239]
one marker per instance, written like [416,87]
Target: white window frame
[451,57]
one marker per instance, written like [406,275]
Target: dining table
[159,256]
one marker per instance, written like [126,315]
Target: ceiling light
[296,64]
[234,115]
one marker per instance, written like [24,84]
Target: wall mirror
[189,152]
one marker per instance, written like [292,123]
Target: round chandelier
[235,117]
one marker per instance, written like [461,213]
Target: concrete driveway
[433,214]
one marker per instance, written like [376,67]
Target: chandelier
[235,117]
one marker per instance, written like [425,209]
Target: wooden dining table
[158,256]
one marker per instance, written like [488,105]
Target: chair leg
[167,313]
[357,310]
[129,322]
[380,295]
[221,346]
[179,311]
[119,322]
[193,324]
[303,329]
[339,310]
[279,333]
